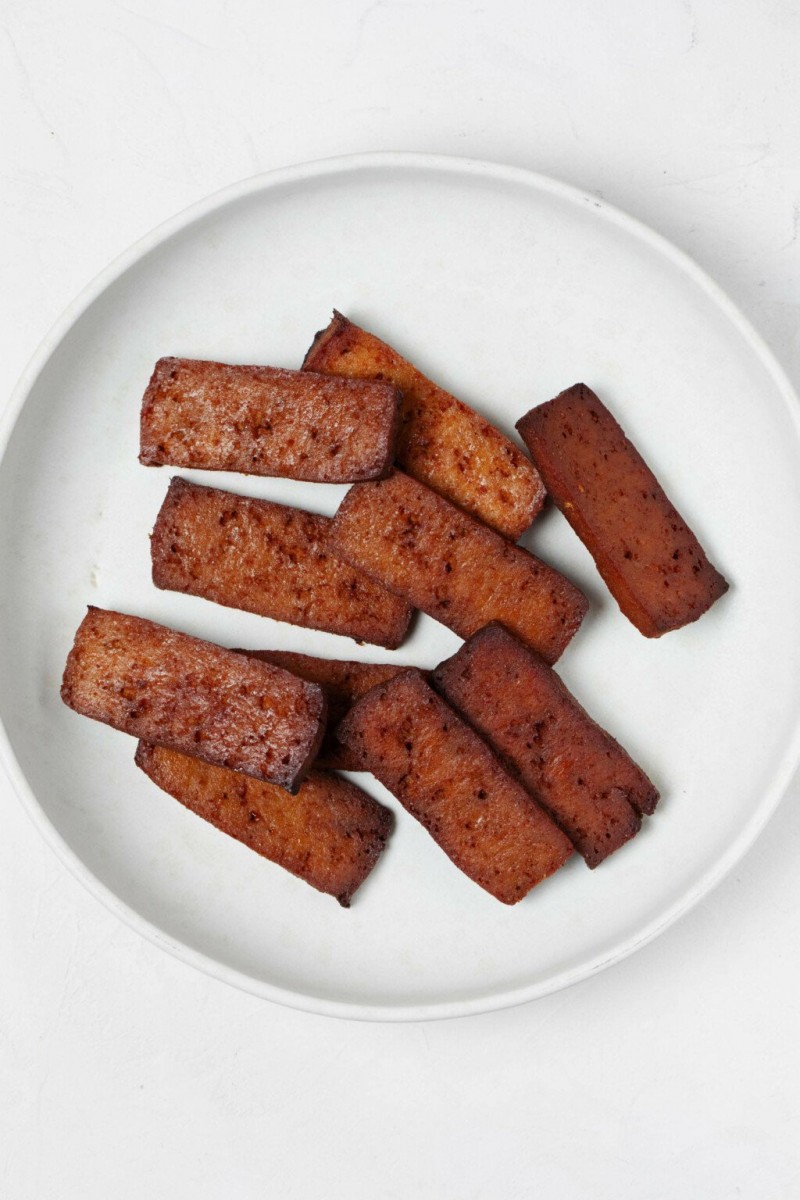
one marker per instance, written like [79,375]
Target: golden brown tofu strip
[448,778]
[651,561]
[330,834]
[268,421]
[576,770]
[193,696]
[268,559]
[453,567]
[442,442]
[343,682]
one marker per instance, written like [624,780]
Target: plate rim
[305,172]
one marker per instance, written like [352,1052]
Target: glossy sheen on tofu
[268,421]
[330,834]
[576,770]
[453,567]
[443,442]
[343,682]
[176,690]
[268,559]
[449,779]
[653,564]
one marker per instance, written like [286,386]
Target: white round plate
[505,287]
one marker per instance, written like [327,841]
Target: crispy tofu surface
[447,777]
[268,559]
[330,834]
[451,566]
[648,556]
[576,770]
[167,687]
[343,682]
[268,421]
[443,442]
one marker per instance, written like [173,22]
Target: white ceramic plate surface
[506,287]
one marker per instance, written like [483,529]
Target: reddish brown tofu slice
[176,690]
[268,421]
[330,834]
[453,567]
[443,442]
[653,564]
[343,682]
[268,559]
[449,779]
[576,770]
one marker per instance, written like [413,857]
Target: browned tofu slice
[651,561]
[268,421]
[176,690]
[268,559]
[343,682]
[443,441]
[330,834]
[576,770]
[453,567]
[449,779]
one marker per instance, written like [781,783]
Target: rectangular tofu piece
[343,682]
[449,779]
[576,770]
[178,691]
[330,834]
[442,442]
[268,421]
[653,564]
[271,560]
[453,567]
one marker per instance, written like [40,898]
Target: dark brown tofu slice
[453,567]
[268,559]
[343,682]
[449,779]
[576,770]
[653,564]
[176,690]
[268,421]
[443,442]
[330,834]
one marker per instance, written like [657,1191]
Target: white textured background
[124,1074]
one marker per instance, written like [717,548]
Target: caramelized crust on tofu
[653,564]
[442,441]
[267,421]
[451,566]
[193,696]
[441,771]
[330,834]
[343,682]
[576,770]
[268,559]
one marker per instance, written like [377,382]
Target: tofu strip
[453,567]
[268,421]
[268,559]
[653,564]
[167,687]
[330,834]
[442,441]
[449,779]
[576,770]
